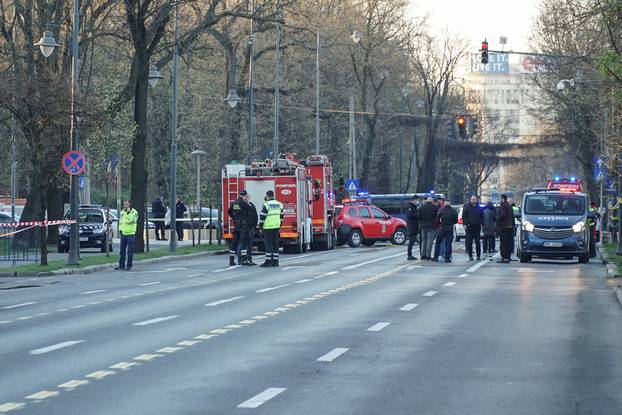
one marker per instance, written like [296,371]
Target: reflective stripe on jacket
[271,215]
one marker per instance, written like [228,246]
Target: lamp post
[405,92]
[173,238]
[47,45]
[198,154]
[153,78]
[317,92]
[251,82]
[277,86]
[356,38]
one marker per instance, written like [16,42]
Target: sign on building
[497,63]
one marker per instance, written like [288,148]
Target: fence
[20,242]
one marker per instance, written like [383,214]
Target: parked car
[459,229]
[93,230]
[361,223]
[5,217]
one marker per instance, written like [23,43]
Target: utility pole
[251,83]
[352,139]
[173,238]
[317,92]
[277,87]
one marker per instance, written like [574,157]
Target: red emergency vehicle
[304,189]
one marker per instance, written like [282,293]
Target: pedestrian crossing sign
[352,186]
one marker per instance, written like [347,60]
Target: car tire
[368,242]
[458,238]
[524,258]
[355,238]
[584,259]
[399,237]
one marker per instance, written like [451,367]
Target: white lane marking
[42,395]
[362,264]
[123,365]
[93,292]
[175,269]
[57,346]
[227,300]
[265,290]
[477,266]
[154,321]
[408,307]
[430,293]
[292,267]
[150,283]
[295,257]
[154,272]
[9,406]
[333,354]
[261,398]
[72,384]
[8,307]
[463,275]
[378,326]
[193,275]
[100,374]
[227,269]
[411,267]
[302,281]
[328,274]
[449,284]
[534,270]
[353,255]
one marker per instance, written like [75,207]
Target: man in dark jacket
[248,232]
[159,212]
[489,228]
[505,222]
[237,214]
[427,223]
[412,219]
[447,217]
[473,218]
[180,209]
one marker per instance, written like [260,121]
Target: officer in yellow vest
[127,228]
[270,220]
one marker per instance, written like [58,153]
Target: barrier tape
[37,223]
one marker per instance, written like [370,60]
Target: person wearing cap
[248,233]
[270,220]
[237,213]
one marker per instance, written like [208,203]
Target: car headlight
[528,226]
[578,227]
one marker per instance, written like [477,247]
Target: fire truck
[565,185]
[304,189]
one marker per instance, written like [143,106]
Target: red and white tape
[37,223]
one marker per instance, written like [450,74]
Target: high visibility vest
[127,222]
[592,222]
[273,217]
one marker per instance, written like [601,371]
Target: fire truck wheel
[355,238]
[399,237]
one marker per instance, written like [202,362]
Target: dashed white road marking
[378,326]
[161,271]
[72,384]
[226,269]
[302,281]
[123,365]
[463,275]
[408,307]
[42,395]
[150,283]
[193,275]
[92,292]
[100,374]
[57,346]
[411,267]
[449,284]
[430,293]
[477,266]
[226,300]
[535,270]
[327,274]
[175,269]
[261,398]
[265,290]
[291,267]
[154,321]
[362,264]
[9,406]
[8,307]
[333,354]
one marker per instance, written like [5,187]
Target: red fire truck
[304,189]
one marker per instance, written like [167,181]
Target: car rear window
[364,212]
[352,212]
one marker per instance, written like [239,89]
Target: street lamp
[172,247]
[406,90]
[356,37]
[233,99]
[198,154]
[561,85]
[154,76]
[47,45]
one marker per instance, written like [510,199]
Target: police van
[554,224]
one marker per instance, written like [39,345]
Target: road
[351,331]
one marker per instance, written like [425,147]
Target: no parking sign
[74,163]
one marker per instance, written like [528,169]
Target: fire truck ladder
[233,191]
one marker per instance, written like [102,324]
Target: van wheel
[355,238]
[584,259]
[524,258]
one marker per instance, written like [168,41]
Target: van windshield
[547,204]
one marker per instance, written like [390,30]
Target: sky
[475,20]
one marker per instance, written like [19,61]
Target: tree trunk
[426,172]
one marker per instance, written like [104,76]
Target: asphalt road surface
[351,331]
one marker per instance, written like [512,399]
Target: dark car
[94,230]
[359,222]
[554,224]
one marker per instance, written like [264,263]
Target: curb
[94,268]
[612,269]
[618,292]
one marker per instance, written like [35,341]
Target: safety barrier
[20,241]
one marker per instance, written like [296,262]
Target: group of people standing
[247,223]
[432,221]
[162,217]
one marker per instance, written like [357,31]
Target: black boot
[267,263]
[275,263]
[232,261]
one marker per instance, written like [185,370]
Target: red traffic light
[484,45]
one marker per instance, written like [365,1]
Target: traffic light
[484,51]
[462,127]
[451,129]
[474,127]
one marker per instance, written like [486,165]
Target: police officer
[127,227]
[270,220]
[412,217]
[236,212]
[592,227]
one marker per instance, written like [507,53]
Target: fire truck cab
[304,189]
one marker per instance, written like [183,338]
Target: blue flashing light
[573,179]
[432,191]
[556,178]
